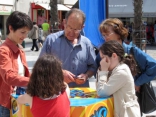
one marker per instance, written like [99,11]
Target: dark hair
[76,11]
[40,26]
[47,77]
[112,46]
[34,23]
[18,20]
[116,25]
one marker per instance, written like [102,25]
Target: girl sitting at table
[47,94]
[115,78]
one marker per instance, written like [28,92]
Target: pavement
[32,56]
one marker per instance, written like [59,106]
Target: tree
[54,15]
[138,24]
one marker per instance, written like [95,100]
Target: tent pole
[107,8]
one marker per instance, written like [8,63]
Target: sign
[5,10]
[7,2]
[18,110]
[149,14]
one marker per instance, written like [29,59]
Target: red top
[57,107]
[9,76]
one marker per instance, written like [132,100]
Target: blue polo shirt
[77,58]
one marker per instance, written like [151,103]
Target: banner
[95,11]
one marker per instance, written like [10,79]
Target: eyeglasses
[71,29]
[107,35]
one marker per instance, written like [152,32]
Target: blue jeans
[4,112]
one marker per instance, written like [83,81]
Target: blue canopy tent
[95,11]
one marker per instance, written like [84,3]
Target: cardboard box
[90,106]
[18,110]
[80,105]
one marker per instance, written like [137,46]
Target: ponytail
[130,61]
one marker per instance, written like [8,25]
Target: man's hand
[68,76]
[81,79]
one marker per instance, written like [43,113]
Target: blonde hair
[116,25]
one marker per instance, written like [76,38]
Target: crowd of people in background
[41,30]
[149,30]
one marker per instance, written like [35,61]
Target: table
[83,103]
[91,106]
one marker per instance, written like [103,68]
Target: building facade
[124,10]
[38,10]
[6,7]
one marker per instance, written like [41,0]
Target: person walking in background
[74,50]
[45,27]
[13,66]
[47,93]
[115,78]
[33,34]
[40,36]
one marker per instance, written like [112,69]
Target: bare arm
[25,99]
[67,90]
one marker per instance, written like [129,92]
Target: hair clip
[125,55]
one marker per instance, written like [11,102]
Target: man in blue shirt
[74,50]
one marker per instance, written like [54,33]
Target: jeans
[4,112]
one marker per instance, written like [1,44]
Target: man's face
[73,27]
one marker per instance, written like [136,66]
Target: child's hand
[105,63]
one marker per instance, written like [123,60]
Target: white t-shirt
[0,33]
[20,66]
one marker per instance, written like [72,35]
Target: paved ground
[32,56]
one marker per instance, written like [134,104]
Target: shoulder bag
[146,96]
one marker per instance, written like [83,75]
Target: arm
[8,73]
[67,90]
[147,65]
[116,81]
[31,33]
[25,99]
[81,79]
[92,67]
